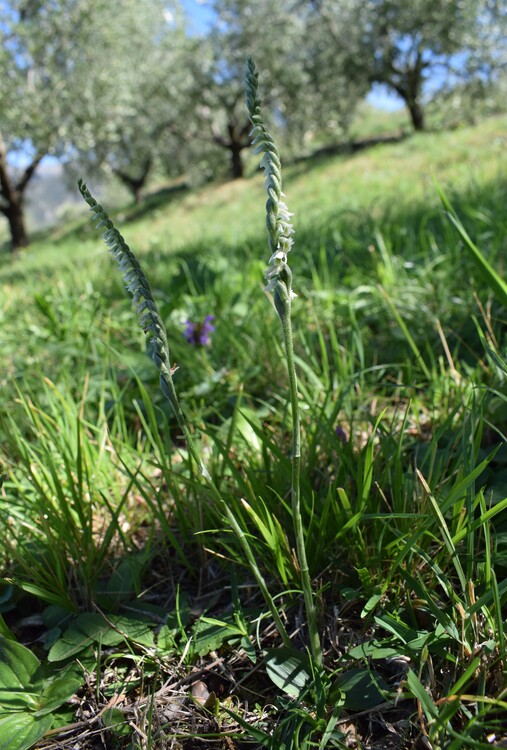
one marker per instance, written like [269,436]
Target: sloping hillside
[137,579]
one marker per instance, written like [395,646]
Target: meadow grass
[115,553]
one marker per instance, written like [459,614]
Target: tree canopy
[132,91]
[74,85]
[403,44]
[37,87]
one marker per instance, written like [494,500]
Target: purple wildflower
[341,434]
[198,334]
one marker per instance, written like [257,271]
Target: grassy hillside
[404,463]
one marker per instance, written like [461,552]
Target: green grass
[116,555]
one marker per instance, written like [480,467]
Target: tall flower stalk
[279,283]
[149,318]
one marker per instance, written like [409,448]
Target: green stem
[283,306]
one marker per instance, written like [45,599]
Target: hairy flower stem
[138,286]
[279,278]
[284,311]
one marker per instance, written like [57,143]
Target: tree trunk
[12,198]
[15,215]
[410,95]
[237,141]
[408,83]
[135,184]
[237,169]
[416,114]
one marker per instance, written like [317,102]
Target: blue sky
[381,98]
[200,14]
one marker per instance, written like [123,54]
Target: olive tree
[136,117]
[81,81]
[36,72]
[301,96]
[401,43]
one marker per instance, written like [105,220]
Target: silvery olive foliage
[135,93]
[74,84]
[402,45]
[39,93]
[301,96]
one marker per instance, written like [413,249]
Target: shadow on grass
[157,200]
[302,164]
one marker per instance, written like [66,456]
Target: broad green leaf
[166,639]
[57,690]
[373,650]
[399,629]
[114,720]
[211,634]
[288,668]
[362,689]
[25,687]
[137,630]
[87,629]
[21,730]
[17,666]
[4,630]
[41,593]
[93,628]
[123,581]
